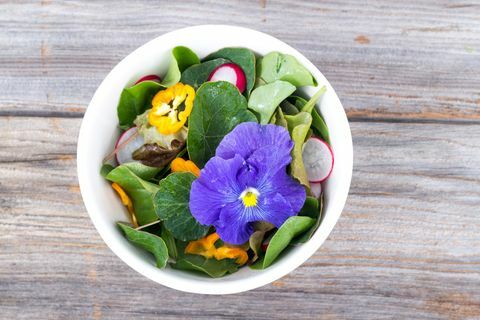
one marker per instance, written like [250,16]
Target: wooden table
[408,243]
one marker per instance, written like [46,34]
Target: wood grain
[407,245]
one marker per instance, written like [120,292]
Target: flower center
[249,197]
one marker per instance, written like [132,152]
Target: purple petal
[275,208]
[249,136]
[235,223]
[269,161]
[216,186]
[290,189]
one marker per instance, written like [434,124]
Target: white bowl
[99,131]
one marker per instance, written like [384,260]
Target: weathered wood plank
[386,59]
[406,246]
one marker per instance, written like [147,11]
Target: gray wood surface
[408,243]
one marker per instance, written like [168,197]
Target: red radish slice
[150,77]
[229,72]
[317,159]
[128,142]
[316,188]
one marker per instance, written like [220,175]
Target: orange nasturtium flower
[182,165]
[166,114]
[206,247]
[126,202]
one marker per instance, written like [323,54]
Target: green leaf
[265,99]
[212,267]
[279,119]
[147,241]
[198,74]
[289,229]
[243,57]
[277,66]
[218,108]
[310,208]
[172,207]
[288,108]
[319,126]
[105,169]
[142,171]
[318,219]
[310,105]
[182,58]
[297,101]
[169,242]
[256,239]
[141,192]
[298,126]
[134,101]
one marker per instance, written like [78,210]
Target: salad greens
[216,162]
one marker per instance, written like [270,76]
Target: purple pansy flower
[247,181]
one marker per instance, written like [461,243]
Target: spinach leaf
[169,242]
[147,241]
[212,267]
[172,207]
[182,58]
[289,108]
[134,101]
[279,119]
[218,108]
[278,66]
[297,101]
[141,192]
[319,126]
[288,230]
[142,171]
[318,219]
[105,169]
[242,57]
[310,105]
[265,99]
[298,126]
[310,208]
[198,74]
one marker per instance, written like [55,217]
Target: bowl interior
[99,131]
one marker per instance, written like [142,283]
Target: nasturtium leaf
[281,239]
[198,74]
[299,126]
[265,99]
[278,66]
[147,241]
[181,59]
[135,100]
[172,207]
[243,57]
[218,108]
[140,191]
[318,219]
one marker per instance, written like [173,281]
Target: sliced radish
[317,159]
[128,142]
[229,72]
[150,77]
[316,188]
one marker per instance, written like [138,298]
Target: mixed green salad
[221,161]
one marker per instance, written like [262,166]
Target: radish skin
[128,142]
[150,77]
[318,159]
[229,72]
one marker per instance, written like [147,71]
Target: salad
[221,161]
